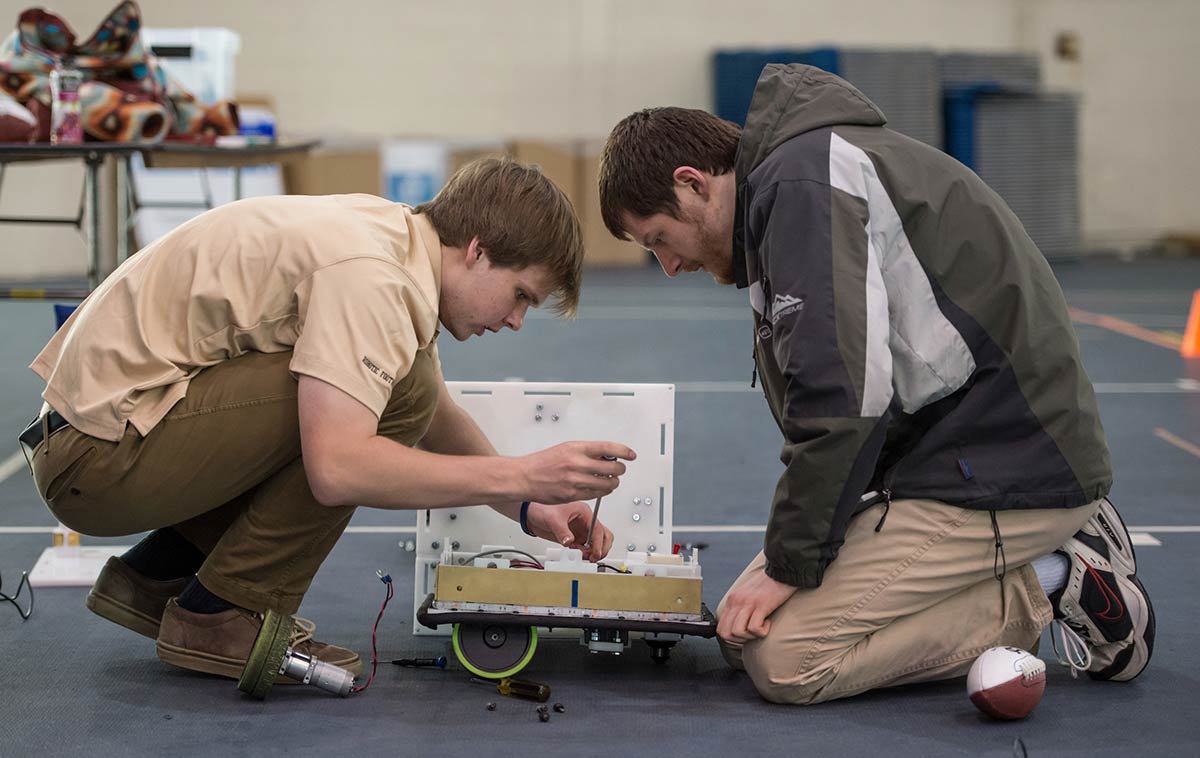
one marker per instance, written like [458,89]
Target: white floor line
[1140,532]
[1101,388]
[716,387]
[12,465]
[656,313]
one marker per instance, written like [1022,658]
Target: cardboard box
[603,249]
[335,171]
[558,160]
[574,167]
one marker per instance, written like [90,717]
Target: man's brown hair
[521,218]
[637,167]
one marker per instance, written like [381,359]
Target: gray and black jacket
[911,339]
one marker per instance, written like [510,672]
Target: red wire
[374,630]
[524,564]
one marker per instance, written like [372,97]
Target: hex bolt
[543,716]
[637,517]
[560,708]
[491,706]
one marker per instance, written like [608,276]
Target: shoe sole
[117,612]
[1134,659]
[230,668]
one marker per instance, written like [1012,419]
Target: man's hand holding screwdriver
[566,474]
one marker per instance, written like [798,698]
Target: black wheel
[494,651]
[660,652]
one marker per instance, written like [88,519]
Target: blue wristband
[525,519]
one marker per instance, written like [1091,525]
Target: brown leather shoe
[219,643]
[125,597]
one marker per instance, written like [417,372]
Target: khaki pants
[224,469]
[914,602]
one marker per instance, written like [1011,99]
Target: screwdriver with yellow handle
[522,688]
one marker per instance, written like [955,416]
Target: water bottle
[66,115]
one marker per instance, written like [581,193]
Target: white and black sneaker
[1106,621]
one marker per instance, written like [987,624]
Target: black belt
[33,434]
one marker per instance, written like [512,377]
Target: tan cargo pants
[917,601]
[224,469]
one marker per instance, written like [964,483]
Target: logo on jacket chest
[783,305]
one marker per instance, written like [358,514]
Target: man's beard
[716,262]
[713,246]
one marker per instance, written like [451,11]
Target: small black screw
[491,706]
[543,716]
[560,708]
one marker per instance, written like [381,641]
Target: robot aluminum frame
[524,417]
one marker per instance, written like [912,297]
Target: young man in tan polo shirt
[240,385]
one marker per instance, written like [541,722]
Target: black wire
[614,568]
[525,564]
[530,556]
[25,614]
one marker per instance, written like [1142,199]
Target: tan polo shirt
[349,283]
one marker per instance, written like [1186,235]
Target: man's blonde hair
[521,218]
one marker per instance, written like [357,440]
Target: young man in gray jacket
[946,470]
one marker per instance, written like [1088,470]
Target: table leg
[93,161]
[123,179]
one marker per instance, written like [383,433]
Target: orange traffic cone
[1191,338]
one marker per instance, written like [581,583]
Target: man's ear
[692,180]
[475,252]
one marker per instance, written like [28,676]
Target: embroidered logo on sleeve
[374,369]
[782,305]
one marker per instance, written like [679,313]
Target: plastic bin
[201,59]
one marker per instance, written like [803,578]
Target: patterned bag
[16,123]
[126,96]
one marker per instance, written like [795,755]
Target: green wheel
[494,651]
[266,656]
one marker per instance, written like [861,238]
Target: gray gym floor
[71,682]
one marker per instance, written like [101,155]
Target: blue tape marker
[574,593]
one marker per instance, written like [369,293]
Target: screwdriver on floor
[522,688]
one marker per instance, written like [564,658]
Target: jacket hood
[793,99]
